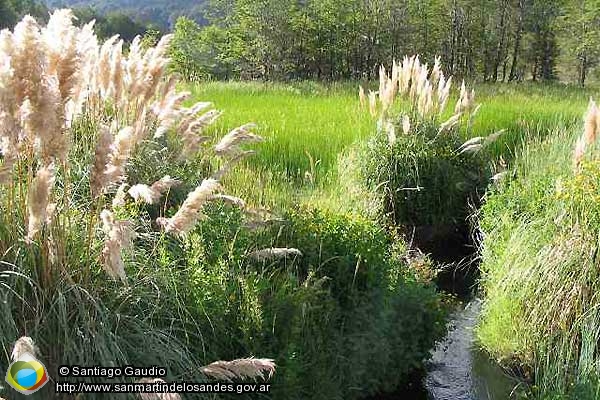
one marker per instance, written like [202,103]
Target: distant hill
[163,13]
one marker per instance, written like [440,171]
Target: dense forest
[504,40]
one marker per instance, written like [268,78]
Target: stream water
[457,370]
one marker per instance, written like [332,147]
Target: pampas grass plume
[591,123]
[191,210]
[119,236]
[37,200]
[373,103]
[579,152]
[120,151]
[152,194]
[24,345]
[234,201]
[229,144]
[405,124]
[274,253]
[98,181]
[240,369]
[362,96]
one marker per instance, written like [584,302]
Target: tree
[580,26]
[8,15]
[185,53]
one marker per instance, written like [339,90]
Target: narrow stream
[457,370]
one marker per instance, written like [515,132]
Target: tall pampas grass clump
[423,160]
[54,77]
[76,118]
[412,94]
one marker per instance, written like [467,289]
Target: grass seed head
[38,197]
[591,123]
[240,369]
[24,345]
[191,210]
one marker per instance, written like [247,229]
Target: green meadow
[308,126]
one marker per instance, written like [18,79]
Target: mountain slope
[163,13]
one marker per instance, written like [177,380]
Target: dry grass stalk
[152,194]
[450,123]
[192,137]
[273,254]
[475,144]
[191,210]
[243,368]
[120,150]
[405,124]
[232,162]
[98,180]
[63,55]
[472,145]
[590,134]
[120,236]
[362,96]
[591,127]
[119,199]
[579,152]
[259,217]
[234,201]
[229,144]
[38,198]
[390,129]
[466,101]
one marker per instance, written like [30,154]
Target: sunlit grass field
[307,126]
[299,122]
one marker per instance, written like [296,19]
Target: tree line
[491,40]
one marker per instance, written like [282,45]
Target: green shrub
[347,319]
[423,179]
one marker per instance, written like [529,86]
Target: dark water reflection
[458,371]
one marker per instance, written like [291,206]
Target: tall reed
[53,77]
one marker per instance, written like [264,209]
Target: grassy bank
[540,270]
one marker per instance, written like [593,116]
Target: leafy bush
[206,52]
[346,319]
